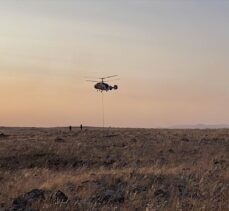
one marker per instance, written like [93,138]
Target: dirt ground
[114,169]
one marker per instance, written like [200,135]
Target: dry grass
[141,169]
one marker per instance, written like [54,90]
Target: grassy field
[115,169]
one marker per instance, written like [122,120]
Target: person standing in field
[70,128]
[81,127]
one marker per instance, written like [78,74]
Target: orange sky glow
[171,57]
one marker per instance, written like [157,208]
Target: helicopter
[103,85]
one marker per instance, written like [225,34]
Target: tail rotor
[115,87]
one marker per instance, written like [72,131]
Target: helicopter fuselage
[104,86]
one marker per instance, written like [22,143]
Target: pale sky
[172,58]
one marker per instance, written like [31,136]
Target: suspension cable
[103,112]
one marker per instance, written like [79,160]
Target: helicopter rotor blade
[117,79]
[92,81]
[102,78]
[109,77]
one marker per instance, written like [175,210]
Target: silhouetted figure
[70,128]
[81,127]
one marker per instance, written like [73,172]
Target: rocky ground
[115,169]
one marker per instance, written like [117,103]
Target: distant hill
[201,126]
